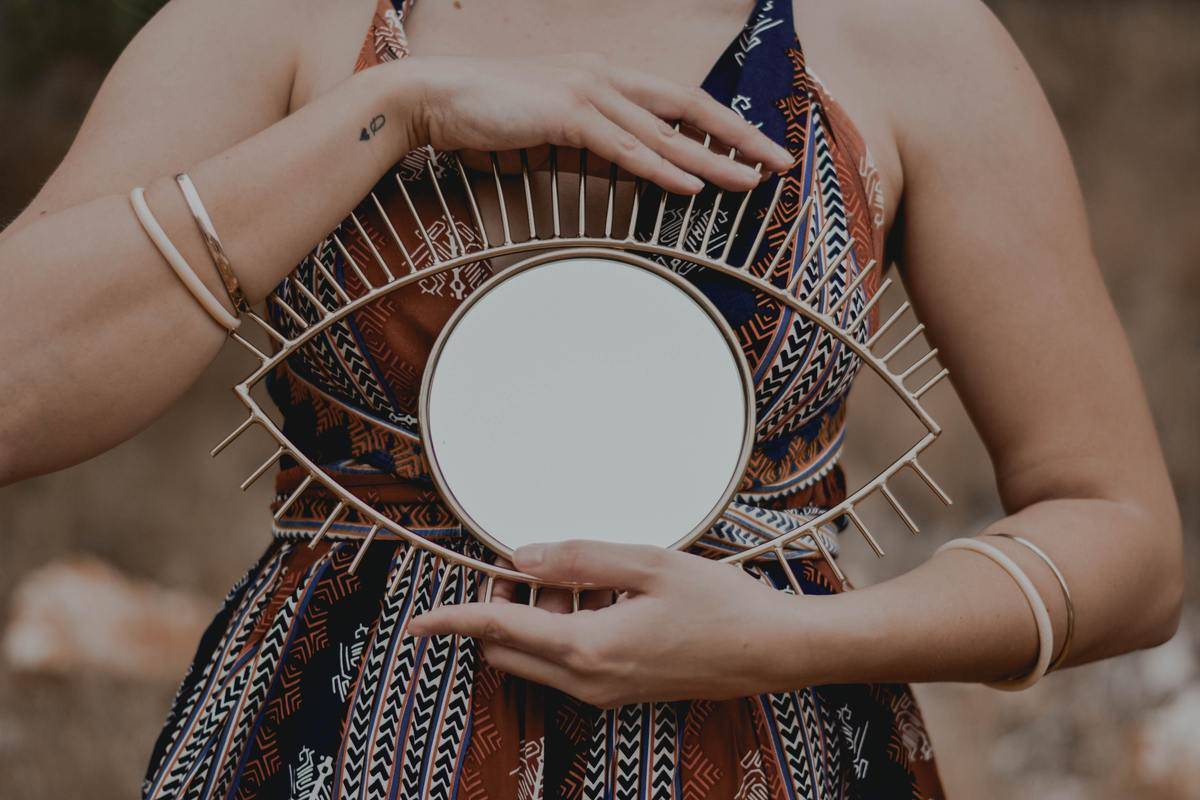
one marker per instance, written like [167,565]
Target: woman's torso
[349,397]
[678,39]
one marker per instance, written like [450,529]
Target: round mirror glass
[598,398]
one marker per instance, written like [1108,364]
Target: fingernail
[529,555]
[694,184]
[785,156]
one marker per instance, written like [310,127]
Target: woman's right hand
[624,116]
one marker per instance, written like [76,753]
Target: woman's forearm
[100,336]
[960,617]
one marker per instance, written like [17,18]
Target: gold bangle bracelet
[232,287]
[1062,584]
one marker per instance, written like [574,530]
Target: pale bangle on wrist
[1041,614]
[187,276]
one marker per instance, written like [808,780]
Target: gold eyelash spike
[409,553]
[458,247]
[500,198]
[865,531]
[899,509]
[887,324]
[262,468]
[903,343]
[469,191]
[228,440]
[293,497]
[362,549]
[375,254]
[327,524]
[930,482]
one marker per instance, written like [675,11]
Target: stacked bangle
[1041,615]
[1066,593]
[212,241]
[184,271]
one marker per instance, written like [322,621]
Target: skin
[984,219]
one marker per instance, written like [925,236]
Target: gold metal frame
[694,249]
[543,259]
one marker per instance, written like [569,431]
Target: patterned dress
[305,687]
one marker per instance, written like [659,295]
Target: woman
[311,682]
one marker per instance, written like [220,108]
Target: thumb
[605,564]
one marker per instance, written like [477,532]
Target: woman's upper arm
[996,254]
[200,76]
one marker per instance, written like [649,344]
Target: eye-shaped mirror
[587,398]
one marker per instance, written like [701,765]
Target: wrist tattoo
[373,128]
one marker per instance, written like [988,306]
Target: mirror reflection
[586,398]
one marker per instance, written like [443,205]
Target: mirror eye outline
[662,483]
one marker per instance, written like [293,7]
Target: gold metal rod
[362,549]
[554,211]
[583,193]
[500,197]
[456,240]
[737,220]
[312,298]
[633,209]
[829,271]
[403,568]
[920,362]
[362,232]
[441,588]
[228,440]
[686,220]
[828,558]
[899,509]
[533,594]
[291,312]
[612,199]
[787,570]
[293,497]
[362,276]
[904,342]
[489,585]
[470,192]
[528,194]
[865,531]
[853,287]
[883,328]
[718,198]
[262,468]
[412,210]
[857,322]
[337,287]
[792,239]
[327,524]
[267,327]
[766,222]
[930,482]
[931,383]
[244,342]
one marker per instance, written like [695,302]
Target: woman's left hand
[684,627]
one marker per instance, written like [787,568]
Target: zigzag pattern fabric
[306,686]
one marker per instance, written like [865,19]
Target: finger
[556,601]
[673,145]
[593,131]
[503,590]
[619,566]
[528,666]
[512,624]
[669,100]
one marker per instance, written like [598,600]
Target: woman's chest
[682,40]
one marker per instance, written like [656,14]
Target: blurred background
[109,570]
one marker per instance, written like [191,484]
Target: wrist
[397,91]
